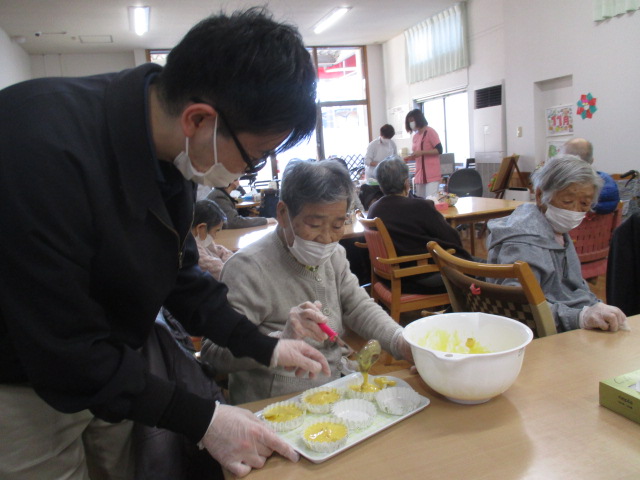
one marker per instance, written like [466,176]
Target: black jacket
[623,267]
[94,239]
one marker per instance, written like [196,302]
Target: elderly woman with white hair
[298,277]
[566,188]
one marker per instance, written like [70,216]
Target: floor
[388,364]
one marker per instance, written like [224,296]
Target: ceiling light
[332,17]
[139,19]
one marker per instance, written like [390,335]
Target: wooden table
[236,238]
[471,210]
[247,204]
[548,425]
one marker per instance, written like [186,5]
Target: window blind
[437,45]
[603,9]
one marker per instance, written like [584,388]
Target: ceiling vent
[488,97]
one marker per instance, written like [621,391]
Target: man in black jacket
[96,202]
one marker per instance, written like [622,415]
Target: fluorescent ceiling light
[139,19]
[332,17]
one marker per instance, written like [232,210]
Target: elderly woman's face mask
[313,234]
[568,207]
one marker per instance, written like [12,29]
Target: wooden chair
[525,303]
[385,264]
[592,238]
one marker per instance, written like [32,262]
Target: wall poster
[559,120]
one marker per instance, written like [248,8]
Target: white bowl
[465,377]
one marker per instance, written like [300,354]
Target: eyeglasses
[253,164]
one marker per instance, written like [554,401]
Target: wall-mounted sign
[559,120]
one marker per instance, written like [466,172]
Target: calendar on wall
[559,120]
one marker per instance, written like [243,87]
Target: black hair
[418,117]
[255,70]
[208,212]
[387,131]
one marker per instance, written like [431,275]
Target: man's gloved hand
[603,316]
[299,356]
[303,322]
[240,441]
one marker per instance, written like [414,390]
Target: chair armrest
[409,258]
[417,270]
[404,259]
[361,244]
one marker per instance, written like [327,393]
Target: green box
[620,395]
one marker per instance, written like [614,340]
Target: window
[438,45]
[343,127]
[449,116]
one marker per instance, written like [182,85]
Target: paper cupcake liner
[354,394]
[320,408]
[287,425]
[357,414]
[325,447]
[397,400]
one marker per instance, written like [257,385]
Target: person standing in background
[426,153]
[378,150]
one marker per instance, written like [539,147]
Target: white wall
[548,39]
[375,74]
[15,62]
[528,46]
[78,65]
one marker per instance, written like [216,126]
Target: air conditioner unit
[489,125]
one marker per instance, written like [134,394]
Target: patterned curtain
[437,45]
[603,9]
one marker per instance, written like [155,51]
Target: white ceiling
[368,22]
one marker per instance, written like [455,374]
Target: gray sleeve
[239,274]
[566,317]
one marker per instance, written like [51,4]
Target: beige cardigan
[265,282]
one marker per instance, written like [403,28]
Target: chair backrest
[379,244]
[593,236]
[466,182]
[468,293]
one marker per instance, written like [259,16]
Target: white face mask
[563,220]
[412,125]
[208,240]
[216,176]
[308,252]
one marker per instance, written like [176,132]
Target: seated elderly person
[208,219]
[412,222]
[566,188]
[222,196]
[298,276]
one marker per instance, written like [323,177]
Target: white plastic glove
[240,442]
[402,346]
[299,356]
[604,317]
[303,322]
